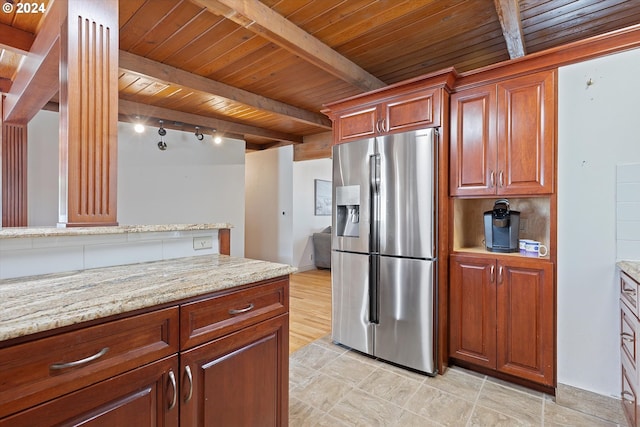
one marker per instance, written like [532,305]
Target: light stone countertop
[632,268]
[16,232]
[40,303]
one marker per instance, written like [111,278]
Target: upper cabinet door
[526,134]
[355,124]
[473,142]
[503,138]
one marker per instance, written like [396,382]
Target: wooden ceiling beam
[15,40]
[509,15]
[133,109]
[259,18]
[162,72]
[37,80]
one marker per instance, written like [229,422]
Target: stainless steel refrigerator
[383,247]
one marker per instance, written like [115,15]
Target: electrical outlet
[204,242]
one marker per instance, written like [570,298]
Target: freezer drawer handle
[241,310]
[75,363]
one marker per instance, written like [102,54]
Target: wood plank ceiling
[262,70]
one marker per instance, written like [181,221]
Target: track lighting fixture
[199,135]
[162,132]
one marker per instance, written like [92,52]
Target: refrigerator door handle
[374,200]
[374,272]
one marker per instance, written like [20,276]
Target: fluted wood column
[88,113]
[14,175]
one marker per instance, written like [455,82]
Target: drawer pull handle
[241,310]
[627,337]
[629,291]
[187,372]
[172,381]
[631,397]
[98,355]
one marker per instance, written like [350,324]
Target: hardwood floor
[310,307]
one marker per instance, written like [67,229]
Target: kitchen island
[167,342]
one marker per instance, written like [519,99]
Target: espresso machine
[501,228]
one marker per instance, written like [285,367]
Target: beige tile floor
[333,386]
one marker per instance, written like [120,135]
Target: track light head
[199,135]
[161,130]
[162,145]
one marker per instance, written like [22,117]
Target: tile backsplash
[628,211]
[42,255]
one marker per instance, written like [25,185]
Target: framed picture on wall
[322,197]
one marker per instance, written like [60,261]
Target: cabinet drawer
[36,371]
[629,292]
[211,318]
[629,338]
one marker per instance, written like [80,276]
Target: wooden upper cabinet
[394,114]
[503,137]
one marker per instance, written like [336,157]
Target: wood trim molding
[89,113]
[224,241]
[606,44]
[14,175]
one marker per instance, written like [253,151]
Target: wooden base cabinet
[502,315]
[219,359]
[143,397]
[238,380]
[629,355]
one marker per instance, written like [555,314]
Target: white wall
[275,184]
[269,205]
[190,182]
[598,127]
[42,169]
[305,222]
